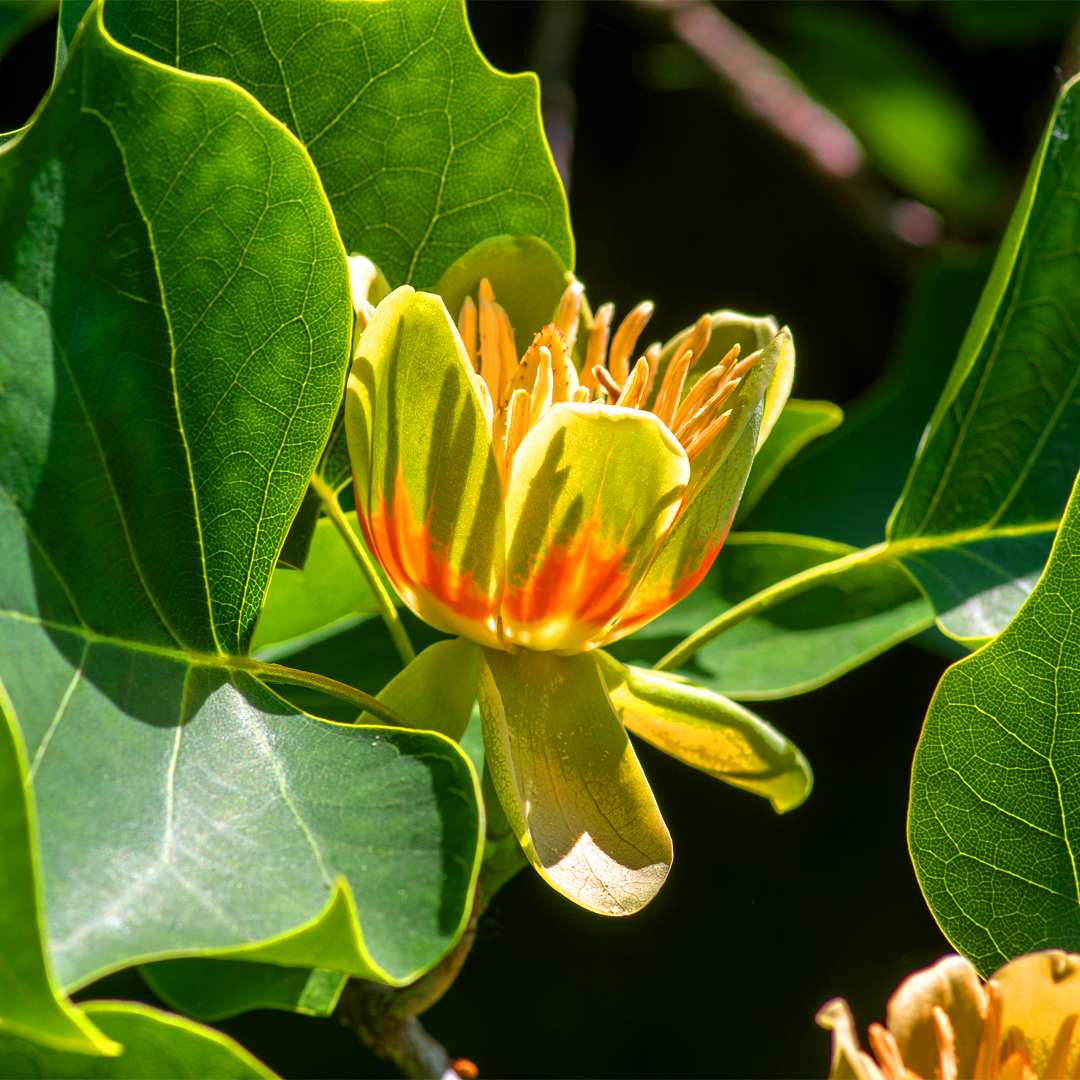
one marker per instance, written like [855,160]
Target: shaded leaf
[154,451]
[423,148]
[798,425]
[797,645]
[995,807]
[31,1004]
[708,732]
[210,990]
[329,594]
[569,782]
[157,1046]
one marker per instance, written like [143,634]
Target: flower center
[516,394]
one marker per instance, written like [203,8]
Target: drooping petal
[708,732]
[687,552]
[431,510]
[591,491]
[1040,992]
[953,985]
[568,780]
[436,691]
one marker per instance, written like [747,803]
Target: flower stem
[383,600]
[278,673]
[774,594]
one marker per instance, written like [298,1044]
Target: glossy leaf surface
[157,1046]
[183,807]
[31,1005]
[422,147]
[708,732]
[569,781]
[995,807]
[1003,446]
[210,990]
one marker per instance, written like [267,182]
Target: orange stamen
[596,350]
[703,439]
[569,311]
[581,395]
[887,1052]
[634,392]
[622,344]
[517,424]
[703,389]
[986,1064]
[541,394]
[490,360]
[946,1040]
[508,360]
[1059,1056]
[672,386]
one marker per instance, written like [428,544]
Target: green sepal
[708,732]
[436,691]
[569,782]
[31,1002]
[526,274]
[157,1046]
[209,989]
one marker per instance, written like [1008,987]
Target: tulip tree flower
[945,1022]
[539,493]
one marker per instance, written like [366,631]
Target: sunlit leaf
[994,818]
[157,1046]
[212,990]
[31,1005]
[168,387]
[1003,447]
[423,148]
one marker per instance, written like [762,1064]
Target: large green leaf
[30,1003]
[797,645]
[1003,446]
[168,384]
[994,820]
[423,148]
[157,1046]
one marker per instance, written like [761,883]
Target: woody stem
[383,600]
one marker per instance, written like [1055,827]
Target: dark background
[679,196]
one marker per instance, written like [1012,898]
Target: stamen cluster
[515,394]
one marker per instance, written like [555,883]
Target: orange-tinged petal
[689,549]
[431,507]
[591,491]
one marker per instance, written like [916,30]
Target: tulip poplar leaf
[998,460]
[31,1004]
[422,147]
[157,1046]
[994,818]
[168,386]
[795,646]
[210,990]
